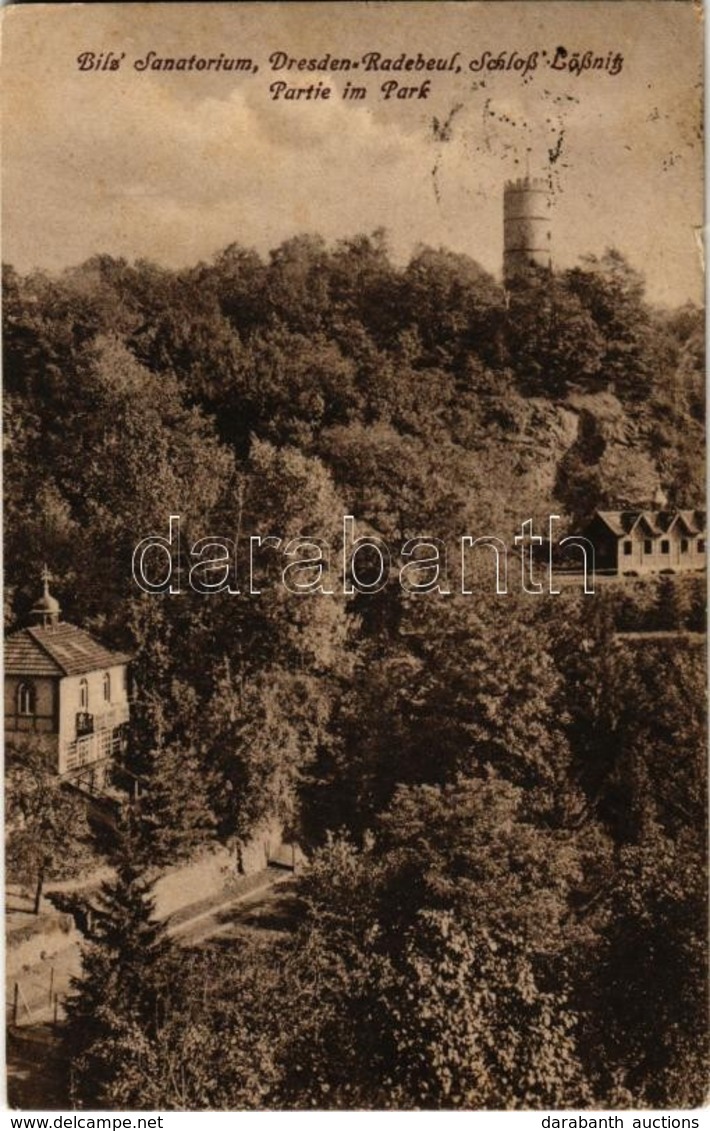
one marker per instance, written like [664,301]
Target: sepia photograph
[354,543]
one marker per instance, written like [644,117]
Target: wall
[641,562]
[45,719]
[254,854]
[527,236]
[70,701]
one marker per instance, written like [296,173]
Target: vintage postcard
[354,544]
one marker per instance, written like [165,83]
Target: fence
[33,1000]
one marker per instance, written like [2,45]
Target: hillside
[501,797]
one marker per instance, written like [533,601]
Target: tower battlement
[527,184]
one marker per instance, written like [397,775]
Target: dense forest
[502,799]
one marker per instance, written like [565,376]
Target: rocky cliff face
[612,444]
[566,457]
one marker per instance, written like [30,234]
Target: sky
[173,167]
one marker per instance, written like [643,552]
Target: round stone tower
[527,234]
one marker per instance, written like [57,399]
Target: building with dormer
[69,691]
[648,541]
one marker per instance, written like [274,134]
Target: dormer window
[107,687]
[83,696]
[25,699]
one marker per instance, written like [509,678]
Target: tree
[238,278]
[509,801]
[636,724]
[291,385]
[123,983]
[364,286]
[552,341]
[647,972]
[368,744]
[399,485]
[47,831]
[222,1035]
[262,735]
[457,688]
[612,293]
[473,1027]
[297,283]
[474,847]
[174,814]
[126,451]
[454,304]
[436,957]
[291,497]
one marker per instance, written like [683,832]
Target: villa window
[701,545]
[26,699]
[647,546]
[665,546]
[107,688]
[628,546]
[83,696]
[684,545]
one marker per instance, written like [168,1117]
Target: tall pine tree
[119,995]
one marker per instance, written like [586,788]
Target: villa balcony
[86,749]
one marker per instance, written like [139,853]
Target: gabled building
[641,542]
[68,690]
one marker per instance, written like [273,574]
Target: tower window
[107,687]
[83,696]
[26,699]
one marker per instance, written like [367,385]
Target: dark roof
[693,521]
[650,520]
[612,519]
[657,522]
[57,650]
